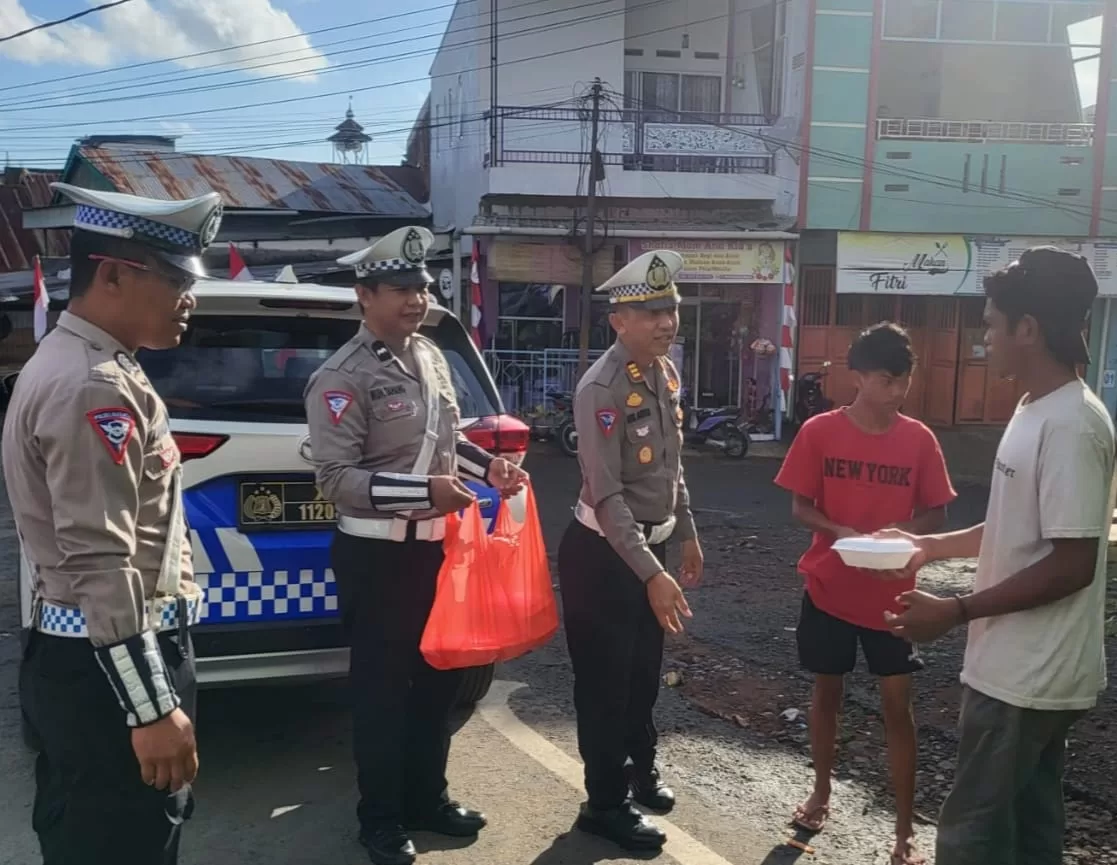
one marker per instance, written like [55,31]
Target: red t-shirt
[864,482]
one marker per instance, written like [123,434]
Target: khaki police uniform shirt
[630,439]
[367,413]
[88,461]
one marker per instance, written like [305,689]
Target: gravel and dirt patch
[733,709]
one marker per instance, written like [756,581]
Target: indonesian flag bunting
[476,323]
[238,270]
[42,302]
[787,328]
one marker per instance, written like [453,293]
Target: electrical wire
[837,157]
[35,101]
[371,87]
[358,64]
[48,24]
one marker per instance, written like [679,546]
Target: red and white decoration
[787,329]
[238,270]
[475,299]
[42,302]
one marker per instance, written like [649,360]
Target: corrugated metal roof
[21,190]
[391,191]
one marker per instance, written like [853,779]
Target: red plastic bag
[494,600]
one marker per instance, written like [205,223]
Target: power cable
[367,88]
[272,41]
[47,24]
[358,64]
[859,162]
[34,101]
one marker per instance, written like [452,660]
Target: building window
[531,316]
[662,96]
[989,60]
[911,19]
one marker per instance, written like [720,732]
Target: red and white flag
[42,302]
[238,270]
[476,323]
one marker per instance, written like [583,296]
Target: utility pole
[588,252]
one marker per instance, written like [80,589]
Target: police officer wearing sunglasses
[107,675]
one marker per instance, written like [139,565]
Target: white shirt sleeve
[1075,472]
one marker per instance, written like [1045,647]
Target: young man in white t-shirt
[1035,657]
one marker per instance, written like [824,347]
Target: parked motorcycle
[718,428]
[809,398]
[558,422]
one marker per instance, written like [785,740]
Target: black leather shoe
[452,820]
[650,791]
[625,826]
[388,846]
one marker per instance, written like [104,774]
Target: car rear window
[255,368]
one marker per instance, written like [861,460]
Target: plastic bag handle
[507,526]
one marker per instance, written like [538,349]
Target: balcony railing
[983,131]
[636,140]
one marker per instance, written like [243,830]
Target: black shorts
[828,646]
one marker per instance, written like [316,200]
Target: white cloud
[138,31]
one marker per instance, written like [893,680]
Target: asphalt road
[277,784]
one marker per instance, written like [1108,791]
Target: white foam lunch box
[877,554]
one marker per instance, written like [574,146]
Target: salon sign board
[948,264]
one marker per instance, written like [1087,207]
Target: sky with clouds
[109,72]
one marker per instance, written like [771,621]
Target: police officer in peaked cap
[618,598]
[385,443]
[107,674]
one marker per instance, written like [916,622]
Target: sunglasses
[181,283]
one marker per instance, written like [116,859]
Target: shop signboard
[756,261]
[948,264]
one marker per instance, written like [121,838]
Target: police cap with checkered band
[177,232]
[398,258]
[646,282]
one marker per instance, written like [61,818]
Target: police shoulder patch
[337,403]
[115,427]
[607,420]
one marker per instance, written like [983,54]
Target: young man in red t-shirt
[852,472]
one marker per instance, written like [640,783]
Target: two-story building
[697,122]
[944,136]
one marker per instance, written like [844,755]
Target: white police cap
[398,258]
[646,282]
[176,231]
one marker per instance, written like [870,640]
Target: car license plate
[283,503]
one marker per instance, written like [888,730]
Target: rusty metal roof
[252,183]
[21,190]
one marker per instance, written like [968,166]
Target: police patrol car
[259,527]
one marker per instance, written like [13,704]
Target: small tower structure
[350,141]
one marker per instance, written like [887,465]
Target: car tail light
[502,436]
[193,446]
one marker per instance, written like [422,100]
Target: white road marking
[683,848]
[242,555]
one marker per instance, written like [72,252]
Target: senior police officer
[107,676]
[618,598]
[383,421]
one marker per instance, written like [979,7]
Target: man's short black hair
[884,347]
[1055,287]
[83,244]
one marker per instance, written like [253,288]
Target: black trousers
[401,705]
[616,646]
[91,804]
